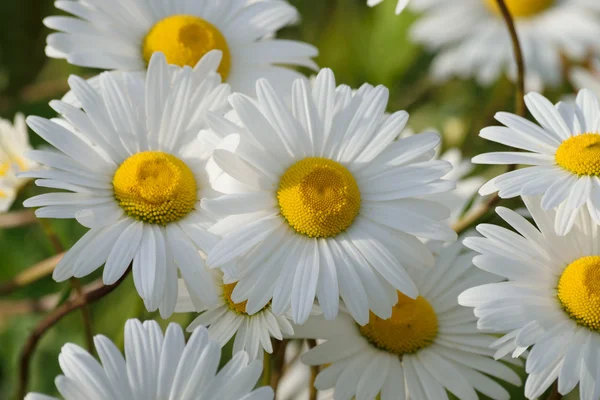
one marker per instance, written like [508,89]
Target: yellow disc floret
[579,291]
[155,187]
[580,154]
[185,39]
[521,8]
[239,308]
[413,326]
[318,197]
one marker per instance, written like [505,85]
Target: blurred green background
[360,44]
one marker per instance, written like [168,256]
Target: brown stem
[314,371]
[86,314]
[30,275]
[554,394]
[519,59]
[52,319]
[17,218]
[278,362]
[474,216]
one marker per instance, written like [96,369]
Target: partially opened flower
[429,346]
[135,171]
[399,7]
[564,151]
[124,34]
[253,329]
[14,143]
[322,200]
[550,301]
[479,45]
[156,367]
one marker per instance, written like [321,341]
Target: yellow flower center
[239,308]
[4,167]
[412,327]
[155,187]
[579,291]
[184,40]
[318,197]
[580,154]
[3,194]
[521,8]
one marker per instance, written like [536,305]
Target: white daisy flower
[253,329]
[479,46]
[156,367]
[551,300]
[563,152]
[399,7]
[135,169]
[321,200]
[123,35]
[14,143]
[430,344]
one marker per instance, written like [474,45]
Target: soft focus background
[360,44]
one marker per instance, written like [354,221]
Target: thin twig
[9,308]
[86,314]
[474,216]
[314,371]
[554,394]
[279,348]
[30,275]
[52,319]
[519,59]
[17,218]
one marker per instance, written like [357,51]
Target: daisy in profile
[399,7]
[156,367]
[480,46]
[124,34]
[321,201]
[14,143]
[550,302]
[134,169]
[253,329]
[429,346]
[563,151]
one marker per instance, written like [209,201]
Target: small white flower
[156,367]
[134,167]
[253,329]
[430,345]
[564,151]
[123,35]
[14,143]
[472,40]
[322,201]
[550,301]
[399,8]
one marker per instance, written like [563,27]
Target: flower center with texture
[412,327]
[521,8]
[239,308]
[580,154]
[155,187]
[579,291]
[318,197]
[184,40]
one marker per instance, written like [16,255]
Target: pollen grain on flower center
[579,291]
[155,187]
[318,197]
[412,327]
[184,40]
[580,154]
[521,8]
